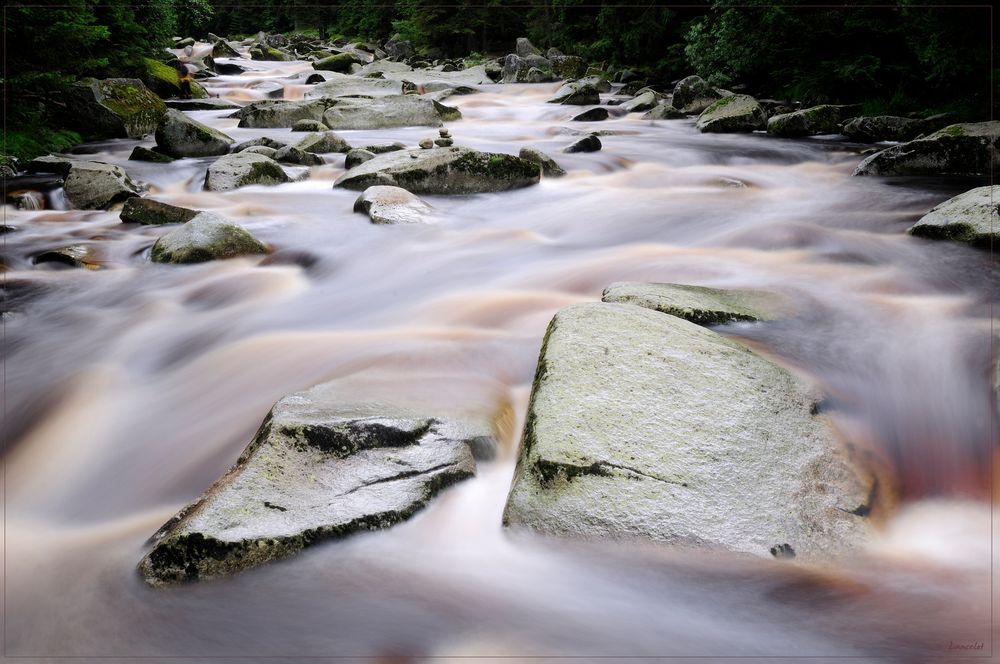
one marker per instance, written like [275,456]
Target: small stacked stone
[426,143]
[445,141]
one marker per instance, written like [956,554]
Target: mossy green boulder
[179,136]
[453,170]
[113,108]
[822,119]
[339,62]
[241,169]
[959,149]
[735,113]
[206,237]
[281,113]
[162,79]
[693,95]
[644,425]
[972,217]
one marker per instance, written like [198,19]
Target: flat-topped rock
[644,425]
[393,205]
[386,112]
[959,149]
[178,135]
[971,217]
[241,169]
[822,119]
[698,304]
[326,463]
[149,212]
[735,113]
[453,170]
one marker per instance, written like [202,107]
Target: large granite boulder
[568,66]
[822,119]
[645,101]
[386,112]
[322,142]
[339,85]
[644,425]
[164,80]
[453,170]
[524,48]
[275,113]
[113,108]
[736,113]
[241,169]
[693,95]
[392,205]
[698,304]
[92,185]
[179,136]
[326,463]
[206,237]
[875,128]
[971,217]
[959,149]
[223,49]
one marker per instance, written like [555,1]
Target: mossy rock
[179,136]
[453,170]
[113,108]
[164,81]
[241,169]
[269,53]
[93,185]
[822,119]
[698,304]
[341,62]
[148,212]
[736,113]
[970,217]
[959,149]
[693,95]
[140,153]
[206,237]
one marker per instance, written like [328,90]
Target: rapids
[130,388]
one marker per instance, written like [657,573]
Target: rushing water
[130,388]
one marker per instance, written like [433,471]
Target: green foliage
[29,142]
[192,16]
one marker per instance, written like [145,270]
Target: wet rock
[147,211]
[242,169]
[140,153]
[325,464]
[50,164]
[386,112]
[270,153]
[229,68]
[693,95]
[494,70]
[663,112]
[293,155]
[549,166]
[392,205]
[323,142]
[823,119]
[382,148]
[737,113]
[641,424]
[426,143]
[454,170]
[223,49]
[341,63]
[76,255]
[179,136]
[263,141]
[700,305]
[208,104]
[536,75]
[398,49]
[959,149]
[92,185]
[269,53]
[206,237]
[280,113]
[357,156]
[589,143]
[444,142]
[598,82]
[971,217]
[641,103]
[883,128]
[163,80]
[113,107]
[340,85]
[576,95]
[516,69]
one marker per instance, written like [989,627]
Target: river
[129,389]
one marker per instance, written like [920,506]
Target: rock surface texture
[316,470]
[644,425]
[972,217]
[959,149]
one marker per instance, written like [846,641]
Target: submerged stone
[549,166]
[645,425]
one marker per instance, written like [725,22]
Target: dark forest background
[901,58]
